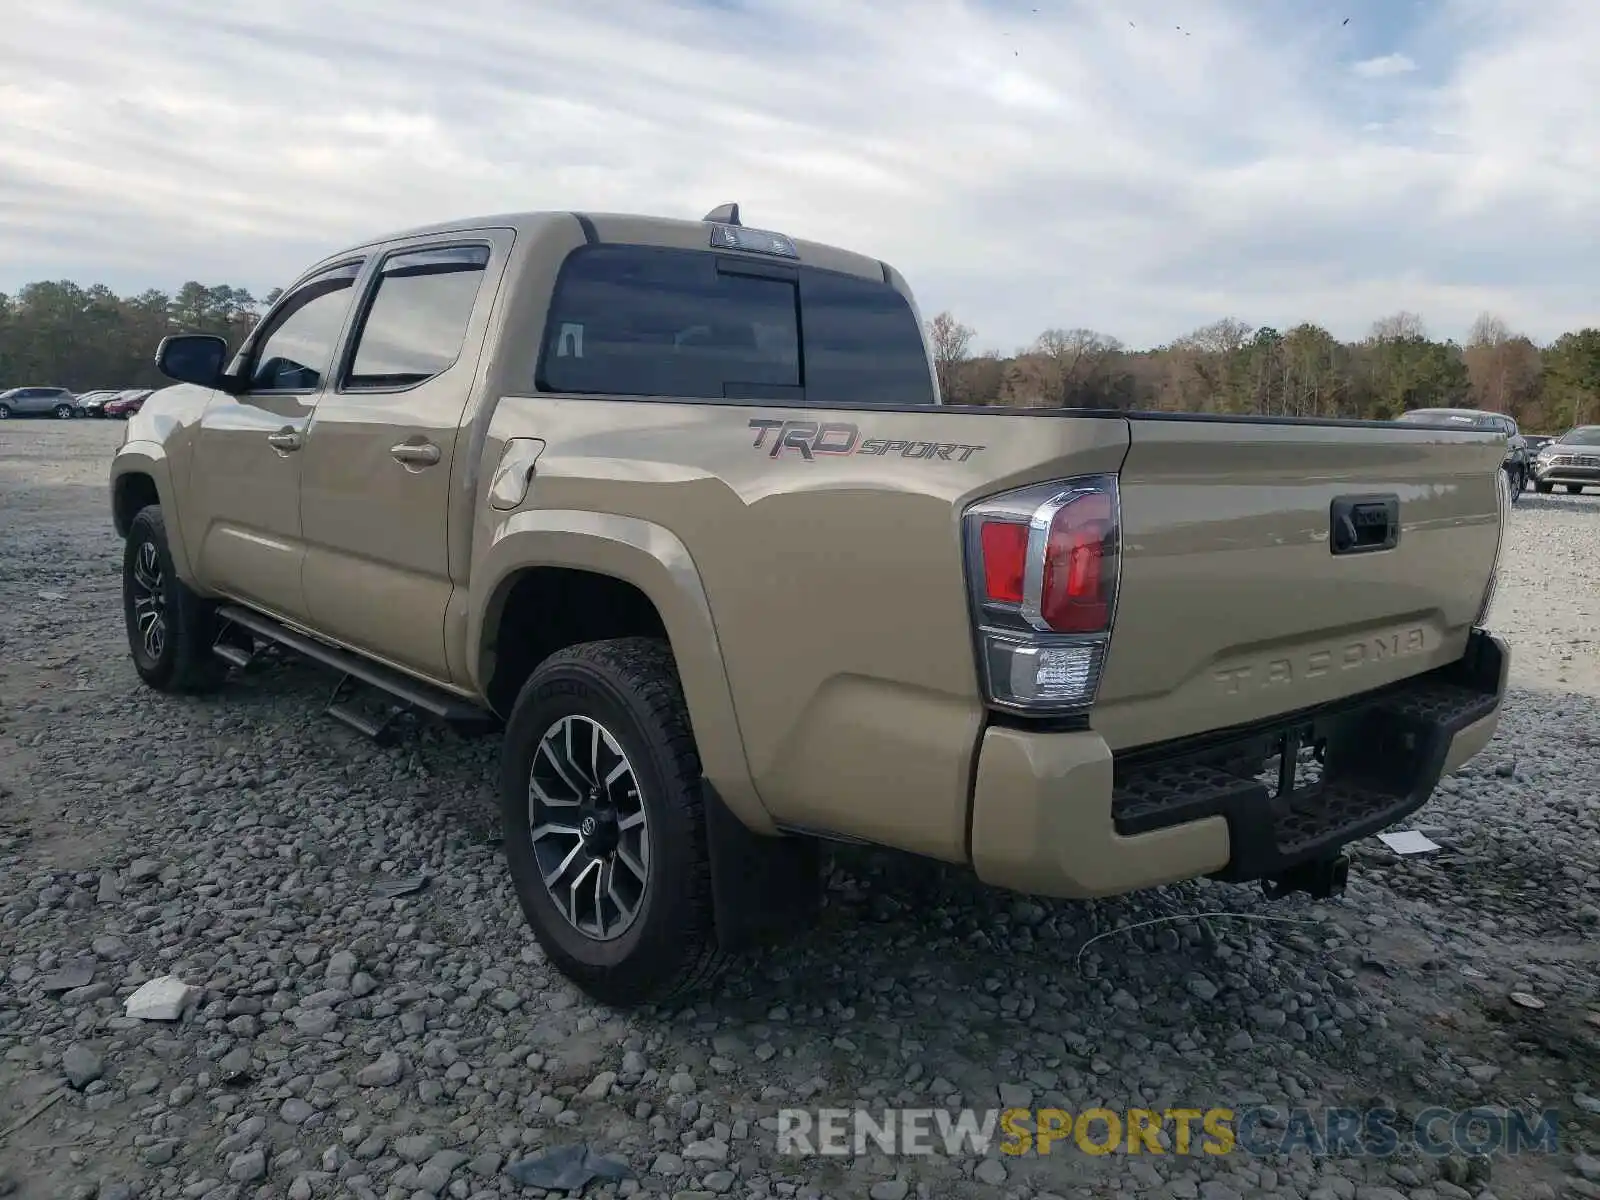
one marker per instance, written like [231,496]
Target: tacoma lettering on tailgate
[1309,664]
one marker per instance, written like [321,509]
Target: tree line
[62,334]
[1229,366]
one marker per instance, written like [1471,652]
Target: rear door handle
[284,441]
[414,455]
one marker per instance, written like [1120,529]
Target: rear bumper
[1057,814]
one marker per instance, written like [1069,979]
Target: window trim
[249,354]
[369,297]
[726,264]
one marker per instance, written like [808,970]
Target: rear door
[245,480]
[35,401]
[1240,599]
[375,493]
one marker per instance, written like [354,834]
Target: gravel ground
[344,1043]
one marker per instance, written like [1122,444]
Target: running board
[413,693]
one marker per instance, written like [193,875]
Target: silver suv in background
[1572,460]
[37,402]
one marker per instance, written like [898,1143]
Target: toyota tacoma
[675,506]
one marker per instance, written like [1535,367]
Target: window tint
[418,317]
[862,342]
[647,321]
[296,350]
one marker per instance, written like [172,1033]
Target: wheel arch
[141,475]
[551,578]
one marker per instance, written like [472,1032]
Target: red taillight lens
[1005,558]
[1080,567]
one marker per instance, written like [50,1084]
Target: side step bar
[352,668]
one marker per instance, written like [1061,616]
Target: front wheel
[1544,489]
[171,630]
[604,825]
[5,412]
[1575,488]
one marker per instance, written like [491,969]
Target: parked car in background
[92,404]
[37,402]
[1518,464]
[125,404]
[1572,460]
[1537,442]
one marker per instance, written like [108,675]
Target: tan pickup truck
[676,504]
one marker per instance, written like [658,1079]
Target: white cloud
[1025,170]
[1384,66]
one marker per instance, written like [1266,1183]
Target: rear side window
[417,320]
[653,321]
[862,342]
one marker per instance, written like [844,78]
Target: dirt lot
[345,1043]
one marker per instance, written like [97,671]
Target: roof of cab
[638,229]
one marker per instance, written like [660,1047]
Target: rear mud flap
[763,889]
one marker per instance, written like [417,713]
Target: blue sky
[1137,167]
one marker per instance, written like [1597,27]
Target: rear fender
[656,562]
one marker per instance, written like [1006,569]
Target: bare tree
[951,342]
[1506,368]
[1220,337]
[1077,358]
[1399,327]
[1489,330]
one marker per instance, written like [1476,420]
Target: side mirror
[192,358]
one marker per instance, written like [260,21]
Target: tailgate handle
[1359,524]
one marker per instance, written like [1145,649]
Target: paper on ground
[1408,841]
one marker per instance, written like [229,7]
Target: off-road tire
[630,686]
[186,662]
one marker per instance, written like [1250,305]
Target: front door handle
[284,441]
[414,455]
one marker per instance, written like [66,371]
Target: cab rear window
[655,321]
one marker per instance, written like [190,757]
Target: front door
[245,484]
[375,491]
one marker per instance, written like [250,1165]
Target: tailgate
[1233,606]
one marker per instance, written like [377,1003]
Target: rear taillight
[1043,562]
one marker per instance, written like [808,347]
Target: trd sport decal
[811,438]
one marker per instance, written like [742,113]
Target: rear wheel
[5,412]
[63,412]
[604,825]
[170,629]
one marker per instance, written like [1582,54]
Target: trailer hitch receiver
[1321,878]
